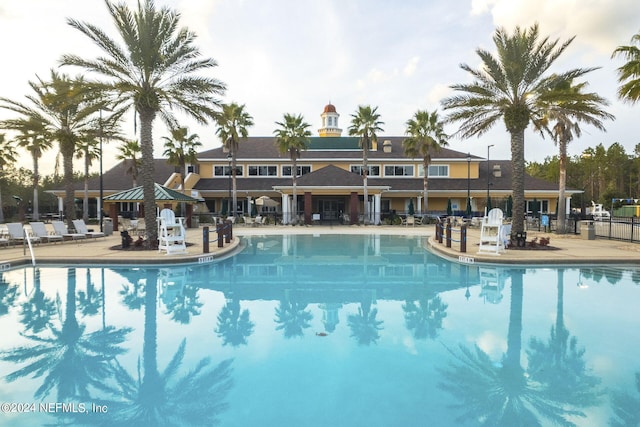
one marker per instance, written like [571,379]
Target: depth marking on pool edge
[466,259]
[204,259]
[5,266]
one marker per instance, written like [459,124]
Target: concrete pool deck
[564,249]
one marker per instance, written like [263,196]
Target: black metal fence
[614,228]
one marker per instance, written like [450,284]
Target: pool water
[331,330]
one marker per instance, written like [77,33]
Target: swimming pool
[328,330]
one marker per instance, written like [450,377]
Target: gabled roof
[161,193]
[330,176]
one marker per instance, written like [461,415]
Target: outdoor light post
[469,184]
[229,173]
[488,177]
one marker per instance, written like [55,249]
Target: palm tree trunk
[517,184]
[514,334]
[562,183]
[148,177]
[36,180]
[1,206]
[85,201]
[69,192]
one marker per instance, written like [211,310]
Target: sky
[278,56]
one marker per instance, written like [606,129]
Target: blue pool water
[321,331]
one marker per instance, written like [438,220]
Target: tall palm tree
[365,123]
[153,72]
[33,137]
[7,158]
[233,125]
[426,135]
[64,106]
[129,152]
[509,87]
[88,150]
[629,73]
[181,149]
[566,116]
[293,137]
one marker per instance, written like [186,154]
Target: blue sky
[280,56]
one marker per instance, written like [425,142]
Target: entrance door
[330,209]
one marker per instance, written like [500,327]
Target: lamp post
[229,158]
[488,178]
[469,184]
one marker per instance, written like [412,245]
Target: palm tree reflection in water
[503,394]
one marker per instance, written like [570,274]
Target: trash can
[107,226]
[587,230]
[195,221]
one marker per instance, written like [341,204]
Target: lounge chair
[81,227]
[39,230]
[17,233]
[61,230]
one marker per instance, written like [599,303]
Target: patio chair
[39,230]
[17,233]
[81,227]
[60,229]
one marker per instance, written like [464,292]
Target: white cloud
[410,67]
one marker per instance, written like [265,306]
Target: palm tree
[233,125]
[7,158]
[181,149]
[425,318]
[128,152]
[33,137]
[154,73]
[292,137]
[64,106]
[365,124]
[629,73]
[89,150]
[567,115]
[510,87]
[426,135]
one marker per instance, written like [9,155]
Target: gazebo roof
[162,193]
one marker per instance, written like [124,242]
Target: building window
[374,170]
[543,206]
[302,170]
[435,171]
[392,170]
[224,171]
[263,171]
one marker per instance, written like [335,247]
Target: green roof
[161,193]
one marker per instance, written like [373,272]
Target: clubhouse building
[330,185]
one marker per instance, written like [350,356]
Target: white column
[376,209]
[60,206]
[419,205]
[567,208]
[286,214]
[249,206]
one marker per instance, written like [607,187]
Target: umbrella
[488,204]
[266,201]
[469,206]
[449,210]
[534,208]
[509,207]
[411,208]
